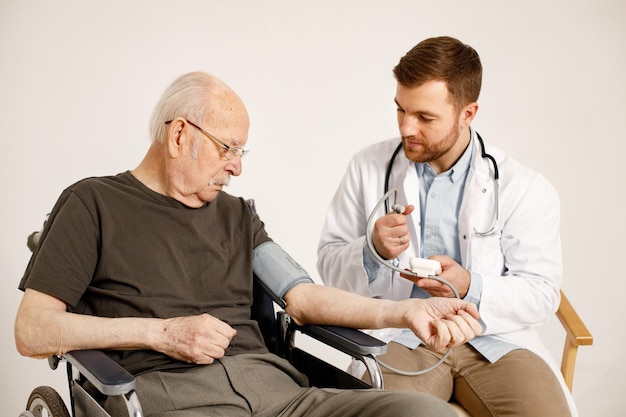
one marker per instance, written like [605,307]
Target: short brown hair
[443,59]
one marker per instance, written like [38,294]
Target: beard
[436,149]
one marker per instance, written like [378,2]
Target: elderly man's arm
[441,323]
[43,327]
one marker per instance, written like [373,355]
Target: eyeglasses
[230,152]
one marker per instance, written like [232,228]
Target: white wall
[78,80]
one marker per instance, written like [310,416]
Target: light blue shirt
[440,198]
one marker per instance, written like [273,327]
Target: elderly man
[155,266]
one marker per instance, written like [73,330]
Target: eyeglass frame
[231,153]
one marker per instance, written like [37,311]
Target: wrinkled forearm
[318,304]
[43,327]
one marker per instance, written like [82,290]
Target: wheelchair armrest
[348,340]
[353,342]
[102,372]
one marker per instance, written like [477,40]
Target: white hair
[189,97]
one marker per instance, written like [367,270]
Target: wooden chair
[576,335]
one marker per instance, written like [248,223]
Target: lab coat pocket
[485,254]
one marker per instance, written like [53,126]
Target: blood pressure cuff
[277,271]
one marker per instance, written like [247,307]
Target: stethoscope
[399,209]
[496,180]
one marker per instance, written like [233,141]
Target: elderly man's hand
[197,339]
[443,323]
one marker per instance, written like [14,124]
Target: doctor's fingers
[435,288]
[395,244]
[390,243]
[391,224]
[396,235]
[389,250]
[391,219]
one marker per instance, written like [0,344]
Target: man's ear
[467,114]
[174,136]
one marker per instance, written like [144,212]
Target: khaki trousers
[519,384]
[266,385]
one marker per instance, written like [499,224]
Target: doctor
[492,223]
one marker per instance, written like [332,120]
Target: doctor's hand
[444,323]
[390,235]
[452,272]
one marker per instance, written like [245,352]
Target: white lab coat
[521,266]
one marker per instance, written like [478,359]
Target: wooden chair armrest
[577,335]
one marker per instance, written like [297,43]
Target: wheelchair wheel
[46,402]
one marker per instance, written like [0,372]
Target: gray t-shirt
[114,248]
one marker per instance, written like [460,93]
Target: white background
[78,80]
